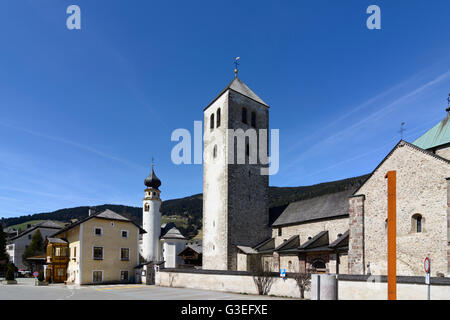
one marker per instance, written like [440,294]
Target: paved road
[25,290]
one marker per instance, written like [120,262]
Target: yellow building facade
[103,248]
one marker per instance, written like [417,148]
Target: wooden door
[60,274]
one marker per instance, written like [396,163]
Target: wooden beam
[392,234]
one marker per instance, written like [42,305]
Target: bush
[9,273]
[41,276]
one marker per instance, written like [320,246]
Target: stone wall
[356,235]
[215,189]
[226,282]
[363,290]
[421,189]
[248,197]
[350,287]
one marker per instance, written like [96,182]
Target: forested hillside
[186,213]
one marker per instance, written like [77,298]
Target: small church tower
[151,219]
[235,196]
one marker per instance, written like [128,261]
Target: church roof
[436,136]
[240,87]
[327,206]
[169,231]
[152,181]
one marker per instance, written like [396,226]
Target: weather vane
[402,129]
[153,162]
[236,63]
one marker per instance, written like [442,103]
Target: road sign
[426,265]
[427,278]
[283,273]
[35,274]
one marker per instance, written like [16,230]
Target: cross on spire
[236,63]
[402,129]
[153,162]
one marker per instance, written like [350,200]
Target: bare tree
[262,277]
[303,282]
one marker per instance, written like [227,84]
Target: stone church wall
[421,189]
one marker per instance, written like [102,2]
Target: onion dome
[152,181]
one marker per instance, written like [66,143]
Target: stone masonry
[422,189]
[356,235]
[235,196]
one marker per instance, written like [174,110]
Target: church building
[336,232]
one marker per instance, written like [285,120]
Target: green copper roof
[436,136]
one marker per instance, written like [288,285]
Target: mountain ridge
[187,213]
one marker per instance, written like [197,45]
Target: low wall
[350,287]
[226,281]
[363,287]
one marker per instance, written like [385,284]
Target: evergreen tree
[35,248]
[4,257]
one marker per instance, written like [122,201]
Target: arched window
[290,266]
[254,119]
[215,151]
[318,265]
[146,207]
[211,122]
[244,115]
[247,149]
[417,223]
[218,118]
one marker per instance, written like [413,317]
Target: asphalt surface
[26,290]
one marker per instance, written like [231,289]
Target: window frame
[128,275]
[93,271]
[95,231]
[244,116]
[93,253]
[121,233]
[218,118]
[211,122]
[417,223]
[129,251]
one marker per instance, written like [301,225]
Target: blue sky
[83,111]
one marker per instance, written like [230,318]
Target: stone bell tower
[151,219]
[235,196]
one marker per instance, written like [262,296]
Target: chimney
[91,211]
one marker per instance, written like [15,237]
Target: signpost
[35,274]
[283,273]
[427,267]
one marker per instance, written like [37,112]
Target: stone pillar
[356,235]
[448,226]
[302,263]
[276,261]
